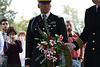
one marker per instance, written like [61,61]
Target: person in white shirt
[3,37]
[1,48]
[21,36]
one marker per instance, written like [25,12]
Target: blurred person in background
[22,37]
[90,35]
[3,37]
[78,55]
[12,48]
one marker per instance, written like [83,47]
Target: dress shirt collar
[47,15]
[3,33]
[96,8]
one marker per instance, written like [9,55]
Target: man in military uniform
[91,35]
[56,25]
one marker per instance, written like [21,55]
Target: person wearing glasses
[3,37]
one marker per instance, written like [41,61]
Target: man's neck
[23,41]
[70,32]
[4,31]
[47,14]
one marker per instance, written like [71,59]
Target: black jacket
[91,35]
[56,26]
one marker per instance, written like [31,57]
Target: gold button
[43,28]
[51,28]
[93,41]
[35,29]
[93,48]
[93,33]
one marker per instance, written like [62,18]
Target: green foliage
[72,14]
[0,27]
[4,13]
[39,57]
[22,25]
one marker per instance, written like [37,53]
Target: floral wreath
[52,48]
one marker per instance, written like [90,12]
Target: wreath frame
[67,56]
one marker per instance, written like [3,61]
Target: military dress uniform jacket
[91,35]
[56,26]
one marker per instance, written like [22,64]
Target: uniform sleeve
[82,39]
[29,44]
[62,29]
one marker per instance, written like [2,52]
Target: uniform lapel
[50,17]
[96,19]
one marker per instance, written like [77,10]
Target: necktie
[44,17]
[98,10]
[46,24]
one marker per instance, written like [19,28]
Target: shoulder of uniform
[58,17]
[34,18]
[91,8]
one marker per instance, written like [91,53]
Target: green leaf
[36,38]
[38,46]
[39,57]
[43,60]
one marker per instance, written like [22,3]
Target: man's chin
[5,29]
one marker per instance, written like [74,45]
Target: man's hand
[81,60]
[27,66]
[71,46]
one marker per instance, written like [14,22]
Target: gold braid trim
[27,58]
[79,42]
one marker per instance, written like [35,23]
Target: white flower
[56,35]
[41,47]
[60,39]
[44,42]
[54,59]
[50,57]
[52,42]
[38,44]
[52,50]
[47,53]
[44,32]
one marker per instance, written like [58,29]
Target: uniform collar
[47,15]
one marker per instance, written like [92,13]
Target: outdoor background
[19,12]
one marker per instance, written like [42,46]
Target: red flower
[50,46]
[57,56]
[49,37]
[45,47]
